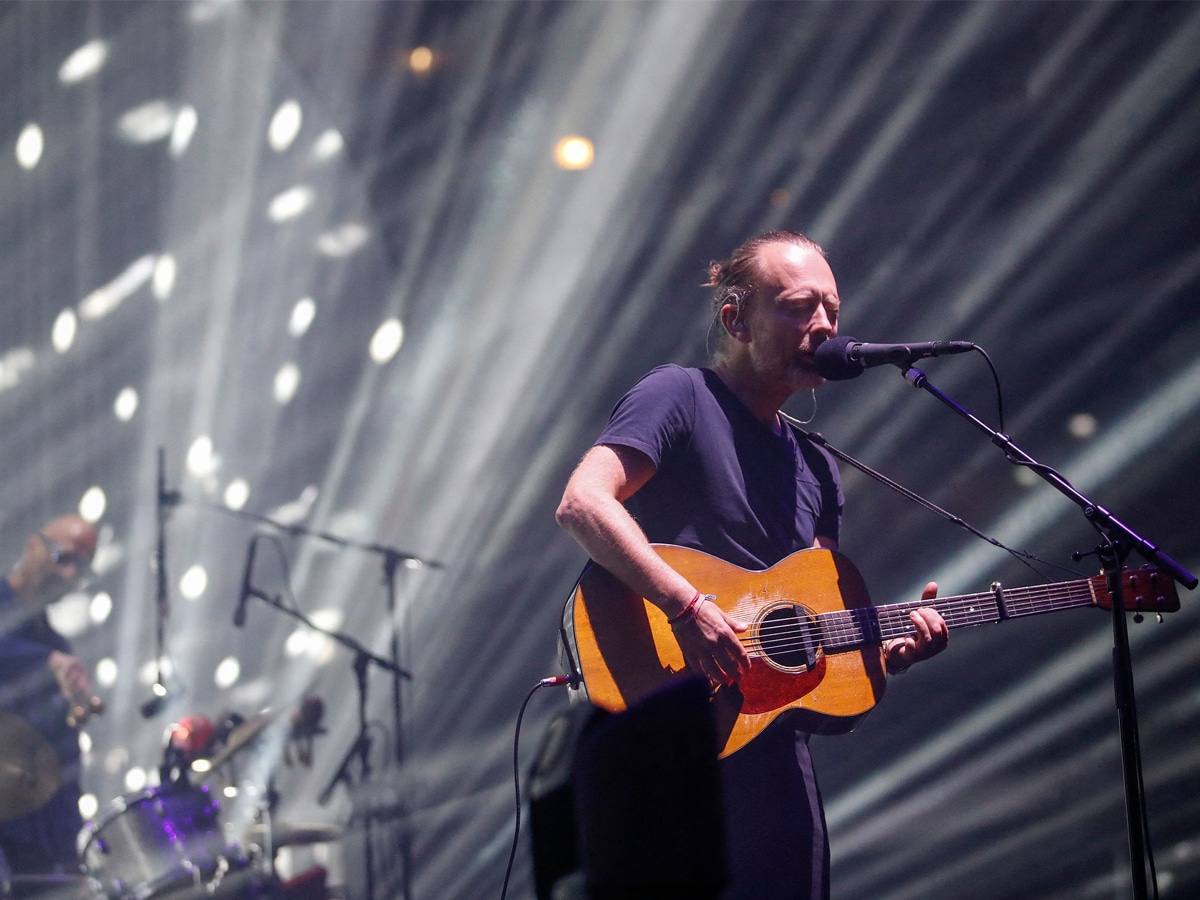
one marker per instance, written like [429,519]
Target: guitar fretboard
[850,629]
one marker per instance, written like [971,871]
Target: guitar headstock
[1145,590]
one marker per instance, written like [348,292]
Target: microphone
[841,358]
[239,613]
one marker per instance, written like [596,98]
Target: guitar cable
[554,681]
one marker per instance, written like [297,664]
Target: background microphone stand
[391,560]
[361,748]
[1117,540]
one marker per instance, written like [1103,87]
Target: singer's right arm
[591,511]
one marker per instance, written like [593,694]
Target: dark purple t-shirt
[724,483]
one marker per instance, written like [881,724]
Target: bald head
[55,559]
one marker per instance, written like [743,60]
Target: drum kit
[166,842]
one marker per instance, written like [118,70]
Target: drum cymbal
[29,768]
[292,834]
[242,735]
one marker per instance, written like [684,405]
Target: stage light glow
[126,404]
[237,492]
[100,608]
[115,760]
[147,123]
[201,766]
[193,582]
[106,298]
[386,341]
[13,364]
[163,281]
[85,743]
[302,316]
[62,335]
[182,131]
[202,459]
[420,59]
[135,779]
[287,382]
[285,125]
[92,504]
[329,144]
[1082,425]
[69,616]
[230,791]
[290,204]
[85,62]
[30,144]
[329,618]
[106,672]
[88,806]
[343,240]
[574,152]
[228,671]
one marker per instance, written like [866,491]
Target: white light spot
[287,381]
[88,806]
[574,152]
[342,240]
[285,125]
[1082,425]
[330,618]
[329,144]
[135,779]
[230,791]
[320,649]
[92,504]
[30,145]
[296,643]
[1026,477]
[237,492]
[100,608]
[69,616]
[163,280]
[62,335]
[182,131]
[147,123]
[303,314]
[115,760]
[160,689]
[106,672]
[387,340]
[227,673]
[290,203]
[13,364]
[201,459]
[83,63]
[201,765]
[85,742]
[106,298]
[126,404]
[193,582]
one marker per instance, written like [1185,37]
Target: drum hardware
[164,842]
[29,768]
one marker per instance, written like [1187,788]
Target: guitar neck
[988,606]
[853,628]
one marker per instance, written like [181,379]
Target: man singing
[702,458]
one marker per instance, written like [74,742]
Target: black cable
[556,681]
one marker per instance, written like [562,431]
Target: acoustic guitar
[814,641]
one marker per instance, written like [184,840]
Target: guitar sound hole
[788,638]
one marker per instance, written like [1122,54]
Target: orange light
[420,59]
[574,152]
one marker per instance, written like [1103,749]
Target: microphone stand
[361,747]
[1117,540]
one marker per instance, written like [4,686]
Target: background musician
[41,682]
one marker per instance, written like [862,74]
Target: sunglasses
[61,556]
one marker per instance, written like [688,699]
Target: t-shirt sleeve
[656,414]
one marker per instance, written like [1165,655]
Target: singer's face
[58,557]
[793,312]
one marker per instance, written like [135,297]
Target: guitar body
[627,651]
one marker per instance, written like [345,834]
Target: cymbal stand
[1117,540]
[361,748]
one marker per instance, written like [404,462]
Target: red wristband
[688,612]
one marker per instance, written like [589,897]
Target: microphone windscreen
[832,360]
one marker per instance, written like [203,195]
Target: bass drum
[165,842]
